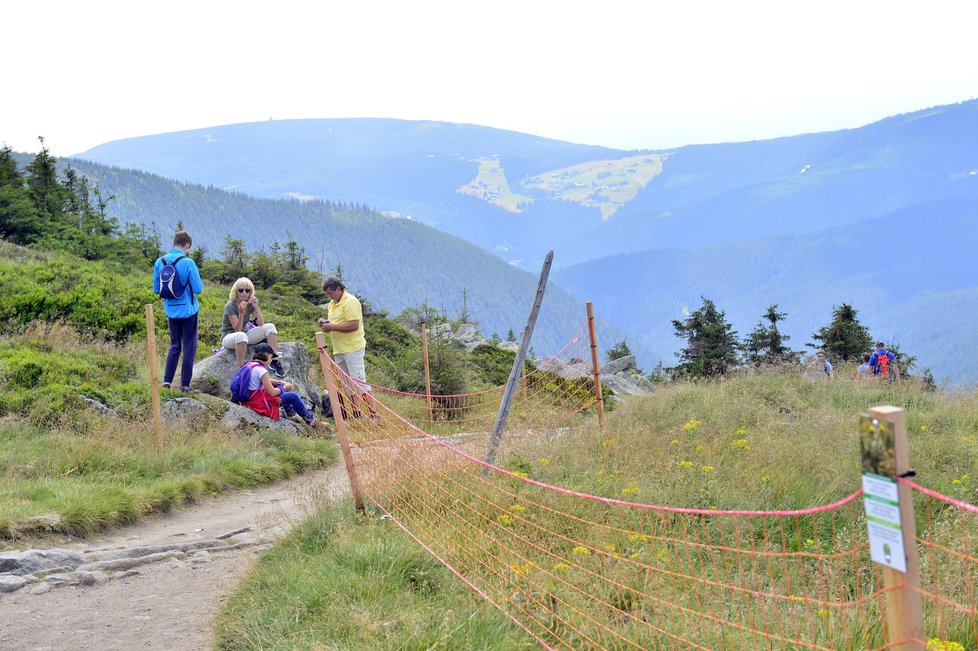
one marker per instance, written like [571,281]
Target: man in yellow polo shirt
[345,328]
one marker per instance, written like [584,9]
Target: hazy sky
[652,74]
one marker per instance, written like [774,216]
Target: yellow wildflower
[741,431]
[822,612]
[766,478]
[937,644]
[701,448]
[581,550]
[674,442]
[521,474]
[543,462]
[599,472]
[505,520]
[663,555]
[637,537]
[707,468]
[685,464]
[740,443]
[924,428]
[691,425]
[631,489]
[561,567]
[608,443]
[518,508]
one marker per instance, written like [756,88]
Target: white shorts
[352,365]
[253,336]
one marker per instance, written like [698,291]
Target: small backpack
[884,364]
[170,287]
[239,383]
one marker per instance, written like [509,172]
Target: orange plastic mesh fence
[947,543]
[583,572]
[549,393]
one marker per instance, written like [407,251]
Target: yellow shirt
[346,309]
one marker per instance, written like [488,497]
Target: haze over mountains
[882,217]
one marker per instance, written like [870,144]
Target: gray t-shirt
[231,309]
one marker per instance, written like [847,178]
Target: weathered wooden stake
[427,371]
[514,374]
[595,365]
[154,377]
[341,434]
[904,621]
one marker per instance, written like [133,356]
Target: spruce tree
[711,348]
[844,339]
[766,345]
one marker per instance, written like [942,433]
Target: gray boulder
[620,365]
[183,409]
[574,369]
[9,582]
[213,375]
[33,561]
[238,417]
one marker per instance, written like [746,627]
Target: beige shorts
[251,337]
[352,365]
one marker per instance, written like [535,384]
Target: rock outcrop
[213,375]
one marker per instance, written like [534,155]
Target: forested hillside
[394,263]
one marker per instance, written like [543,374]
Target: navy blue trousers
[291,402]
[183,338]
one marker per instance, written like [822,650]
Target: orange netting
[578,571]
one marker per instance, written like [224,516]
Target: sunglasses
[244,290]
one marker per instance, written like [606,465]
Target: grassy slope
[755,442]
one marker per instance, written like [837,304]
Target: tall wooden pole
[903,612]
[341,434]
[595,365]
[427,370]
[154,377]
[514,374]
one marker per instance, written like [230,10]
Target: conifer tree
[844,339]
[618,351]
[766,345]
[711,348]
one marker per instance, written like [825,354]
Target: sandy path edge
[171,605]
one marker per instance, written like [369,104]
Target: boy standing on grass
[181,312]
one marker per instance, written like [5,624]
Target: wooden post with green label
[890,523]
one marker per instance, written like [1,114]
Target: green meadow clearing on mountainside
[758,440]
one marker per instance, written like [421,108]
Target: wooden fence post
[595,365]
[427,371]
[154,377]
[904,620]
[341,434]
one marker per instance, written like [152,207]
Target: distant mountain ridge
[719,207]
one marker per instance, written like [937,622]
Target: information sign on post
[880,494]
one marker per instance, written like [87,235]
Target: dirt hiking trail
[169,605]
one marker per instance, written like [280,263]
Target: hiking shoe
[317,424]
[189,390]
[166,385]
[276,366]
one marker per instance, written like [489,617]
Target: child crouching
[267,393]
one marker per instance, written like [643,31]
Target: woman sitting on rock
[266,394]
[237,331]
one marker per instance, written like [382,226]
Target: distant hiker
[178,286]
[819,368]
[266,394]
[882,362]
[345,328]
[238,331]
[865,371]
